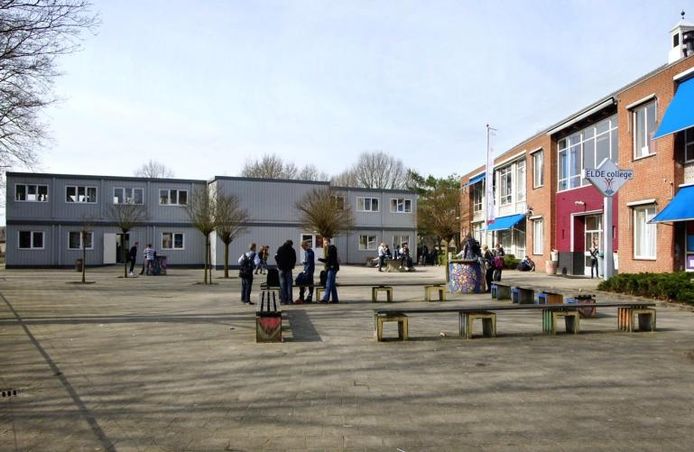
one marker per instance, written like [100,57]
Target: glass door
[593,233]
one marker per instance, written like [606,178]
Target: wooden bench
[522,295]
[439,289]
[547,297]
[501,291]
[552,314]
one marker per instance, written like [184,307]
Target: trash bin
[78,265]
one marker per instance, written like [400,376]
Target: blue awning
[507,222]
[478,178]
[681,208]
[680,114]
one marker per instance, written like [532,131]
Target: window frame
[654,235]
[91,234]
[31,240]
[173,241]
[86,194]
[404,202]
[168,197]
[369,245]
[505,196]
[339,201]
[371,203]
[26,192]
[541,242]
[478,192]
[689,142]
[400,236]
[648,138]
[541,173]
[125,198]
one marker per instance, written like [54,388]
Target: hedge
[677,286]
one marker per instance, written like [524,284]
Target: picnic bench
[436,288]
[640,316]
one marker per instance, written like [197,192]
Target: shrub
[510,261]
[665,286]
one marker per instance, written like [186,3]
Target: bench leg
[489,327]
[572,323]
[548,322]
[624,319]
[389,295]
[462,321]
[647,320]
[403,328]
[379,329]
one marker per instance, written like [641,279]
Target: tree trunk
[84,261]
[209,259]
[124,256]
[207,255]
[226,260]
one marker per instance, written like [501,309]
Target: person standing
[286,261]
[132,256]
[332,266]
[488,258]
[594,253]
[309,269]
[148,266]
[381,256]
[499,254]
[262,260]
[247,263]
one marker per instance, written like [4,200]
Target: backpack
[498,262]
[247,266]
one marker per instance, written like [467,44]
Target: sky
[206,86]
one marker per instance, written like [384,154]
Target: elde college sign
[607,178]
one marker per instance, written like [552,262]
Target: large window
[367,204]
[173,197]
[586,149]
[123,195]
[644,233]
[74,240]
[80,193]
[401,205]
[644,128]
[477,197]
[520,180]
[339,202]
[31,240]
[538,236]
[506,184]
[31,193]
[689,145]
[368,242]
[538,169]
[172,241]
[398,240]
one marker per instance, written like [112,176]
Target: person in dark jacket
[132,256]
[488,259]
[286,261]
[332,266]
[307,278]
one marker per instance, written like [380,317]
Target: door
[110,245]
[593,232]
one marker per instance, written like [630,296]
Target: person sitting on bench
[526,265]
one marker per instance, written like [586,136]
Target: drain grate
[10,392]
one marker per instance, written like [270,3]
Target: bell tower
[681,40]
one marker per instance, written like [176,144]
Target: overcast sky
[204,86]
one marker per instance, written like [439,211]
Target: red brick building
[543,202]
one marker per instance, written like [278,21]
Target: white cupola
[681,40]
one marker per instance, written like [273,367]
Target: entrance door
[593,232]
[316,242]
[110,248]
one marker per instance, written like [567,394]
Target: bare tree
[201,211]
[154,170]
[127,216]
[346,178]
[310,172]
[380,170]
[321,211]
[86,241]
[231,221]
[273,167]
[33,34]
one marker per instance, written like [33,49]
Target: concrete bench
[501,291]
[550,318]
[522,295]
[437,289]
[627,315]
[467,319]
[376,289]
[400,318]
[546,297]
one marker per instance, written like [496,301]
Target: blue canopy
[506,222]
[681,208]
[680,114]
[478,178]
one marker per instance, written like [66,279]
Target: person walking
[247,263]
[307,274]
[594,254]
[381,256]
[332,266]
[286,261]
[132,256]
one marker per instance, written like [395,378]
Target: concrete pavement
[165,363]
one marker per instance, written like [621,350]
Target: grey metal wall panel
[167,213]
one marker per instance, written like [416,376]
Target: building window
[401,205]
[478,231]
[643,120]
[31,193]
[538,169]
[586,149]
[123,195]
[520,181]
[477,197]
[367,242]
[538,236]
[644,233]
[367,204]
[689,145]
[74,240]
[172,241]
[506,184]
[398,240]
[30,240]
[81,194]
[173,197]
[339,202]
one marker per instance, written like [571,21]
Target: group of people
[286,259]
[148,263]
[426,257]
[402,255]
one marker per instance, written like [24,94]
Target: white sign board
[607,178]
